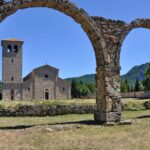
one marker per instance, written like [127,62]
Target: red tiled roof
[12,40]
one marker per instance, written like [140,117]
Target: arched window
[9,48]
[15,49]
[46,90]
[46,75]
[12,78]
[12,92]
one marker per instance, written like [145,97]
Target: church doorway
[46,94]
[12,94]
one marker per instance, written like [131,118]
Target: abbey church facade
[43,83]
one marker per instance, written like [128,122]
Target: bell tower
[12,69]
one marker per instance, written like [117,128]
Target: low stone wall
[140,94]
[147,105]
[40,110]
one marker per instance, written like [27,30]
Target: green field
[11,104]
[129,104]
[74,132]
[47,134]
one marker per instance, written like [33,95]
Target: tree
[73,89]
[92,88]
[0,87]
[147,72]
[137,85]
[125,86]
[79,89]
[132,88]
[146,82]
[84,91]
[1,2]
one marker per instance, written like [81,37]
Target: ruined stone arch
[138,23]
[106,36]
[79,15]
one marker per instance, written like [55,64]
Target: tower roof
[12,40]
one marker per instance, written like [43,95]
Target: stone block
[107,117]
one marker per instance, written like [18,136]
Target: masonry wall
[41,83]
[40,110]
[17,88]
[140,94]
[28,89]
[40,86]
[63,89]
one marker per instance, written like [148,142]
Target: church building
[43,83]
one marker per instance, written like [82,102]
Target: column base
[104,117]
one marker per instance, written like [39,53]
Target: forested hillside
[137,72]
[90,78]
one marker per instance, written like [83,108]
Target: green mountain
[137,72]
[90,78]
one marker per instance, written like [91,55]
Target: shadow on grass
[17,127]
[83,122]
[144,116]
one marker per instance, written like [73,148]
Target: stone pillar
[108,94]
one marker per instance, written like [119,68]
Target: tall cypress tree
[132,88]
[73,89]
[137,85]
[146,82]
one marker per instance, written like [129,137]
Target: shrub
[2,106]
[147,105]
[18,105]
[133,106]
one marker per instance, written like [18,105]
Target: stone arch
[122,30]
[138,23]
[79,15]
[15,49]
[105,35]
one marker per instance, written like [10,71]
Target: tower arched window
[12,92]
[15,49]
[12,78]
[46,75]
[9,48]
[46,90]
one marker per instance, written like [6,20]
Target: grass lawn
[13,104]
[84,137]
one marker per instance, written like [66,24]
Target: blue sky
[54,37]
